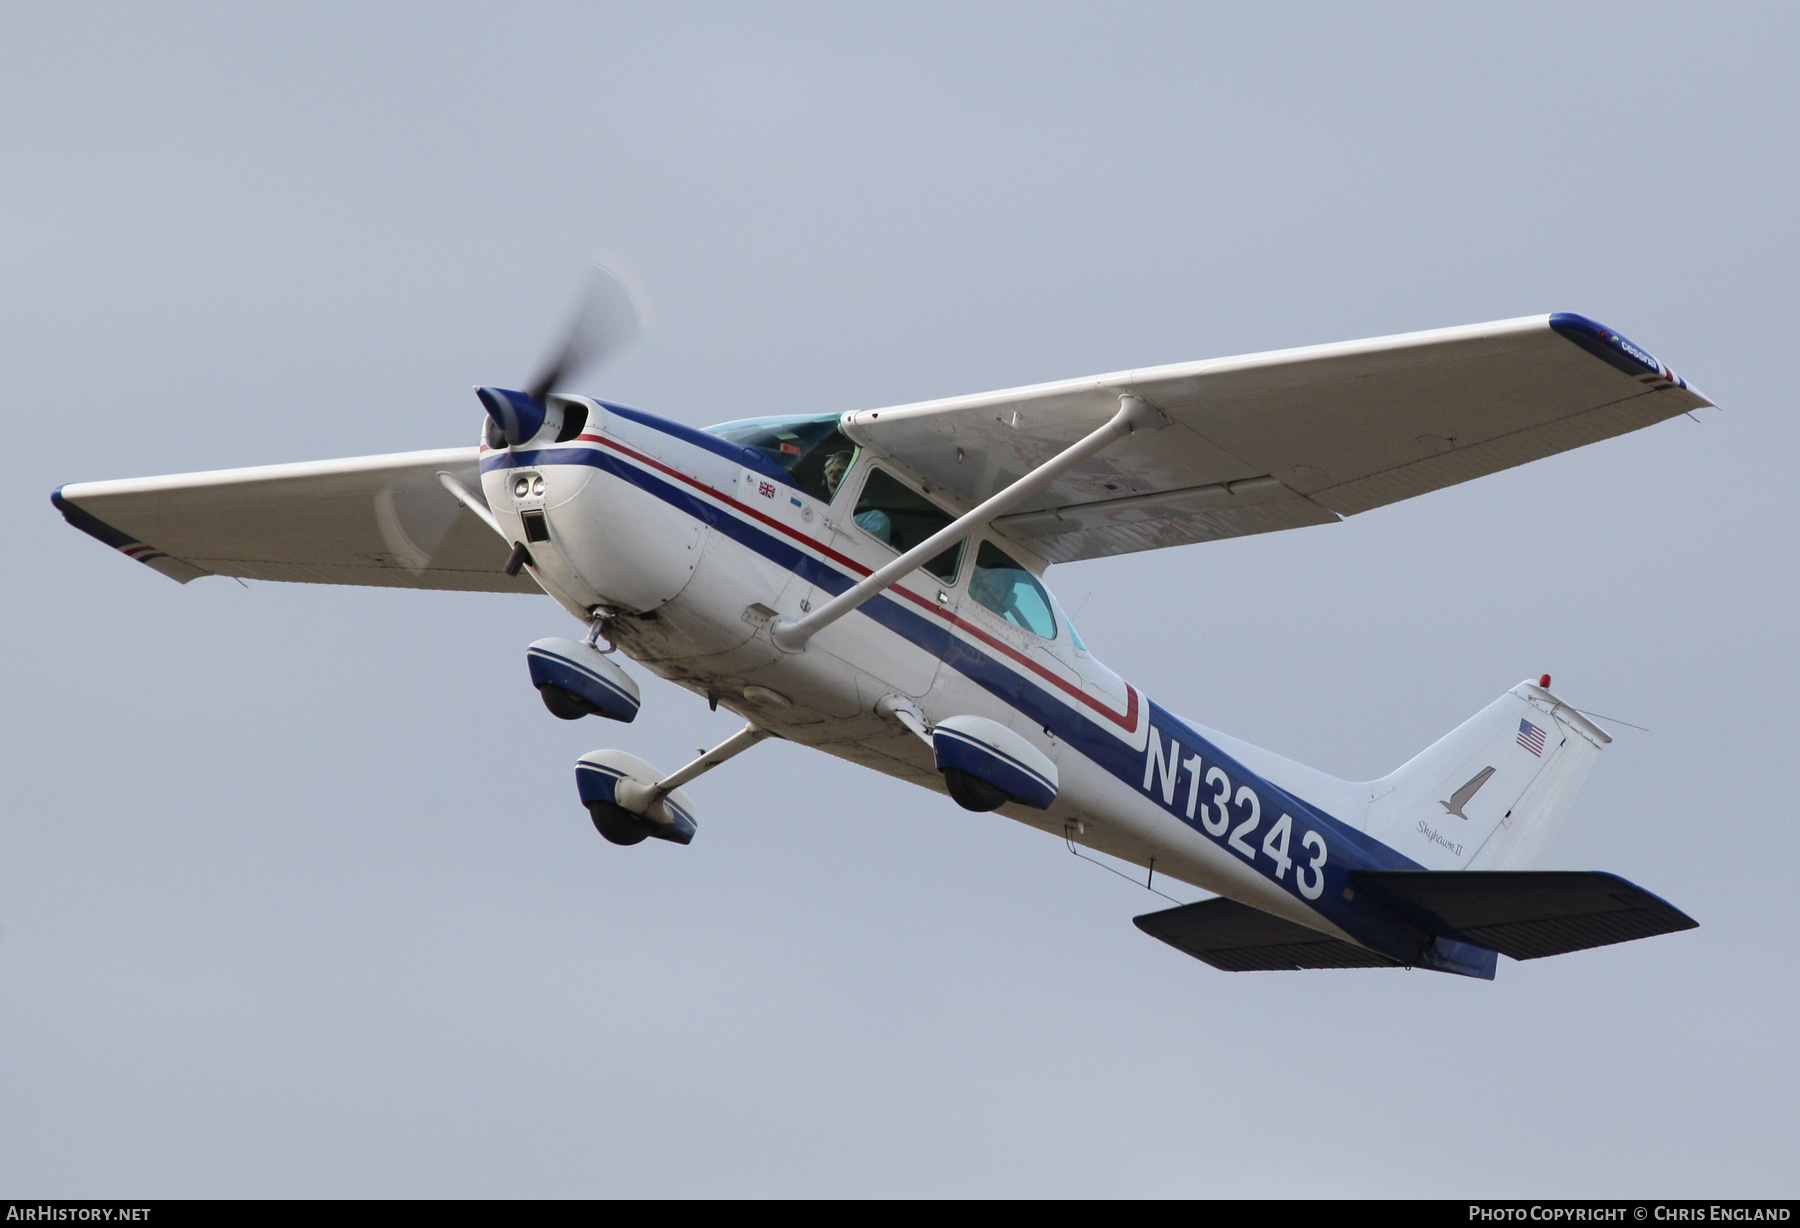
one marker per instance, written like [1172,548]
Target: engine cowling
[987,765]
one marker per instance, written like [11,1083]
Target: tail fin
[1489,794]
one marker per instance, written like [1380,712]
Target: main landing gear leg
[731,747]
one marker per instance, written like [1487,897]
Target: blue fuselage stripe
[1349,849]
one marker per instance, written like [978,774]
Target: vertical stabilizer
[1489,794]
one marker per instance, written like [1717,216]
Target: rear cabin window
[813,453]
[1006,588]
[899,517]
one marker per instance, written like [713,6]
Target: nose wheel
[576,679]
[565,706]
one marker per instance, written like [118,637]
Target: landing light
[521,487]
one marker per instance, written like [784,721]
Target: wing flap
[1235,937]
[1166,518]
[373,520]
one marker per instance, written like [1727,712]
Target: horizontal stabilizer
[1526,914]
[1238,938]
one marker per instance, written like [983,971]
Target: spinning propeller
[607,319]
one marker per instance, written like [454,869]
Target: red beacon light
[1544,682]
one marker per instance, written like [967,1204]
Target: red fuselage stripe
[1126,720]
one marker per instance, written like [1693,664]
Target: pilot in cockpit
[837,464]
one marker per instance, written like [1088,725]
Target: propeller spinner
[606,320]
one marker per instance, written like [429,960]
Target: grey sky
[297,895]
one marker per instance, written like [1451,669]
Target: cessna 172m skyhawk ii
[869,583]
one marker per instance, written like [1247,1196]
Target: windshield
[1074,635]
[813,453]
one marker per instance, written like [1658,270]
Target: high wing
[1286,438]
[380,520]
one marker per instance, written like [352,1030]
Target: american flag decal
[1531,738]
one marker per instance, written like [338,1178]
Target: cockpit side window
[811,451]
[1006,588]
[899,517]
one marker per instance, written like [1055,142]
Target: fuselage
[695,542]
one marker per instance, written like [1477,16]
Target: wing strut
[463,495]
[791,635]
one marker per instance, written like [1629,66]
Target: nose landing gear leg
[598,617]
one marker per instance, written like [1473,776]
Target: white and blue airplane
[870,584]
